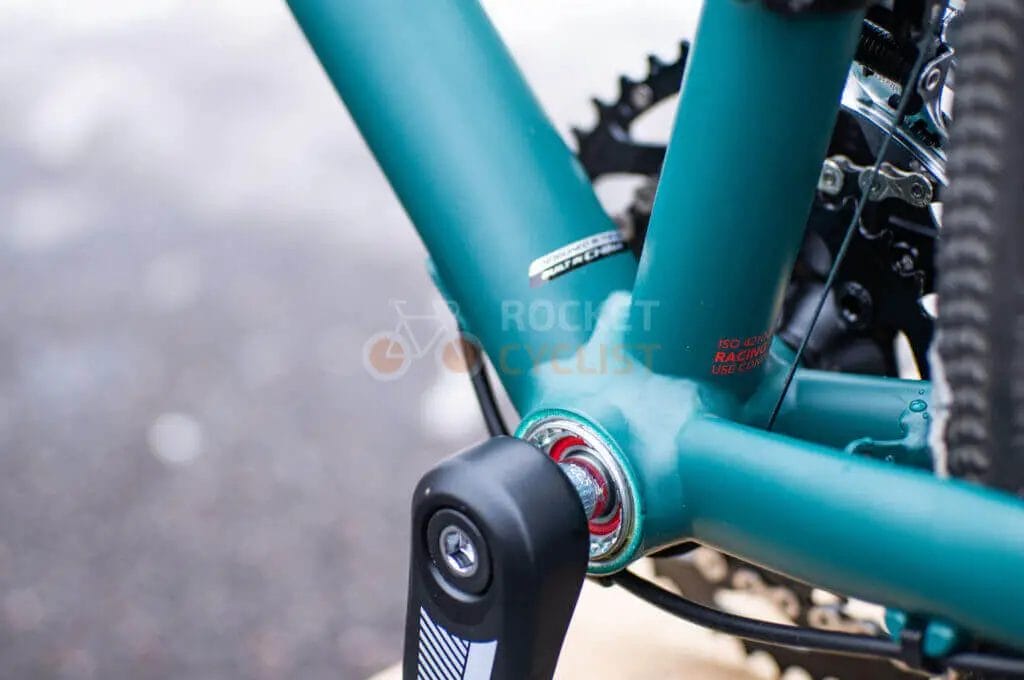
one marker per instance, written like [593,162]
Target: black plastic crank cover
[499,554]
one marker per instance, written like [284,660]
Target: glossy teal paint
[759,103]
[857,526]
[485,178]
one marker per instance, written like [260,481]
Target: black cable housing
[753,629]
[829,642]
[484,391]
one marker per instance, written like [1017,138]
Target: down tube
[759,103]
[486,179]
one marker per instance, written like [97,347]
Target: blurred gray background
[198,477]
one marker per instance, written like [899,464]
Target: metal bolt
[906,264]
[933,79]
[921,192]
[642,96]
[459,551]
[831,179]
[877,187]
[586,487]
[904,259]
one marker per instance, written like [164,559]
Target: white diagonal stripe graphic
[444,656]
[450,642]
[438,656]
[445,663]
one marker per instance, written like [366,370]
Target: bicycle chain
[608,148]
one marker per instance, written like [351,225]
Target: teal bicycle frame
[670,362]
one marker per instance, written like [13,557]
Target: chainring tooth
[607,148]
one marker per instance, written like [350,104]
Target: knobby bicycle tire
[981,255]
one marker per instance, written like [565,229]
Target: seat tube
[759,103]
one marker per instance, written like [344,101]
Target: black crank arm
[499,554]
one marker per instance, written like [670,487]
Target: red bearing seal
[560,452]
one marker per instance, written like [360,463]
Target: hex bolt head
[459,551]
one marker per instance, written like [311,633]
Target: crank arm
[499,554]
